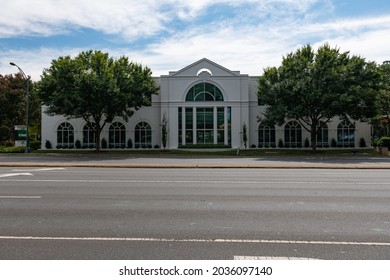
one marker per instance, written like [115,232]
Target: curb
[198,166]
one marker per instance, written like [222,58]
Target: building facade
[202,104]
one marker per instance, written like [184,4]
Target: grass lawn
[214,153]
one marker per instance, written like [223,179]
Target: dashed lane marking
[15,174]
[38,169]
[191,181]
[20,197]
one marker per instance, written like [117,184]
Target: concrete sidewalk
[351,162]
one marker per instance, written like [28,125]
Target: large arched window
[89,136]
[143,135]
[117,135]
[267,138]
[205,123]
[346,134]
[293,135]
[204,92]
[65,135]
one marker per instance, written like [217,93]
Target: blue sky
[167,35]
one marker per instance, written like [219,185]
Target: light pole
[27,101]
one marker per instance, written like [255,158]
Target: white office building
[203,103]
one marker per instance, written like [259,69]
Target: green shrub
[48,145]
[104,143]
[385,141]
[362,143]
[205,146]
[19,149]
[280,143]
[35,145]
[9,144]
[333,143]
[307,143]
[77,144]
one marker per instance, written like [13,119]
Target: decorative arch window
[143,135]
[89,136]
[267,138]
[117,135]
[65,135]
[322,135]
[346,134]
[293,135]
[204,92]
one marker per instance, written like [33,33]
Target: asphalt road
[346,161]
[109,213]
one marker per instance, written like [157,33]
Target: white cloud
[250,48]
[131,19]
[372,45]
[257,37]
[32,62]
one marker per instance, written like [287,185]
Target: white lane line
[269,258]
[39,169]
[20,197]
[201,182]
[260,241]
[15,174]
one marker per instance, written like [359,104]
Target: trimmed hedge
[205,146]
[19,149]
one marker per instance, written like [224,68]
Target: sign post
[20,135]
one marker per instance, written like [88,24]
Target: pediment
[204,68]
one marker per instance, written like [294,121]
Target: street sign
[20,134]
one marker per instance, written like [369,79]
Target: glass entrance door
[205,125]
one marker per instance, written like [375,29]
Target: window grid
[293,135]
[346,134]
[143,135]
[65,135]
[204,92]
[117,135]
[205,125]
[267,136]
[89,136]
[322,135]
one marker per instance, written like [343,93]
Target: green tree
[244,135]
[13,105]
[164,131]
[382,122]
[313,87]
[96,87]
[35,110]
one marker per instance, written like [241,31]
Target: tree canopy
[13,105]
[382,121]
[313,87]
[96,87]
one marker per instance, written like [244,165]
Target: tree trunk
[388,126]
[97,137]
[11,134]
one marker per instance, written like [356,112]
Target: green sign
[20,134]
